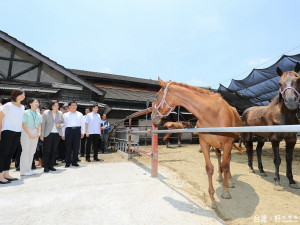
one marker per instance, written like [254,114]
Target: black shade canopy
[259,87]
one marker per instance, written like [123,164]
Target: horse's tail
[238,148]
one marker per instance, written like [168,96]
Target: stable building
[42,78]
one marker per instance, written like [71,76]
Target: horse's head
[289,87]
[164,104]
[187,124]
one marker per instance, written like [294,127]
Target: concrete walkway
[104,193]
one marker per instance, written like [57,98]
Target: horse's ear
[279,71]
[161,82]
[297,67]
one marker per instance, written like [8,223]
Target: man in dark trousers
[92,128]
[73,131]
[104,133]
[83,140]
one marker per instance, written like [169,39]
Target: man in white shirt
[92,128]
[73,131]
[83,140]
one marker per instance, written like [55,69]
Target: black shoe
[33,167]
[88,160]
[96,159]
[46,170]
[7,182]
[18,169]
[76,164]
[78,160]
[67,165]
[11,179]
[52,169]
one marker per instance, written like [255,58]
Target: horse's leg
[277,162]
[218,154]
[259,146]
[225,168]
[289,159]
[179,139]
[230,182]
[210,171]
[166,139]
[249,148]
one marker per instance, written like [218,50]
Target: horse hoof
[220,179]
[231,184]
[294,186]
[212,205]
[251,171]
[263,174]
[226,195]
[278,187]
[200,150]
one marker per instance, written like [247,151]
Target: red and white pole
[154,160]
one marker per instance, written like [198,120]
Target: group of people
[53,129]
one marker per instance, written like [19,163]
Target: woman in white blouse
[11,117]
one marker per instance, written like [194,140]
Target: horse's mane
[196,89]
[274,101]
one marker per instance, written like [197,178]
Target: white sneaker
[32,172]
[26,174]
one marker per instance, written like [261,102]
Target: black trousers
[61,155]
[92,139]
[18,155]
[50,147]
[73,136]
[9,143]
[83,145]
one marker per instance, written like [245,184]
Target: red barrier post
[154,160]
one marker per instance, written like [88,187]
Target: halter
[282,92]
[163,101]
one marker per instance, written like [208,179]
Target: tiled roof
[108,76]
[123,94]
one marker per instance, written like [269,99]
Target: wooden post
[154,159]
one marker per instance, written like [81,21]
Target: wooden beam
[18,60]
[39,72]
[2,75]
[13,49]
[24,71]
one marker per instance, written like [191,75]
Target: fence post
[154,159]
[129,141]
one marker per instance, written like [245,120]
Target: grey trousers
[28,149]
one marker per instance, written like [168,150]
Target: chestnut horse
[211,110]
[175,125]
[281,111]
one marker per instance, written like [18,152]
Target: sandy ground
[254,201]
[113,191]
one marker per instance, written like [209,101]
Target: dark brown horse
[281,111]
[211,110]
[175,125]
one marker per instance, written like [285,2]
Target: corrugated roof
[28,88]
[114,77]
[123,94]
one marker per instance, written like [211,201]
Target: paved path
[105,193]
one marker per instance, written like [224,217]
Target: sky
[201,43]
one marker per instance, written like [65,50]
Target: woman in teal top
[31,132]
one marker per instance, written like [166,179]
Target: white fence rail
[254,129]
